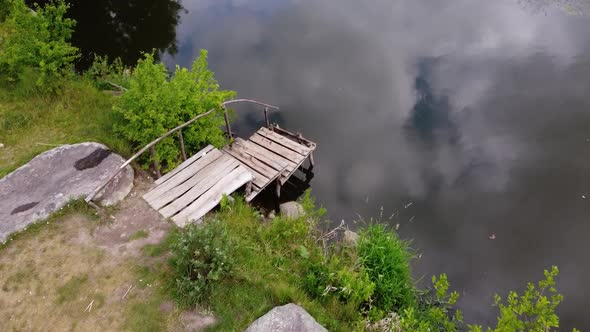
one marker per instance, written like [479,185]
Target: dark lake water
[468,120]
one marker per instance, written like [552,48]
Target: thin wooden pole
[155,162]
[227,123]
[181,140]
[266,117]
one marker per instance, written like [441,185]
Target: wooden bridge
[268,158]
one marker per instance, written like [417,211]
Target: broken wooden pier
[268,158]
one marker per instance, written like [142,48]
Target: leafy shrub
[153,105]
[532,311]
[434,311]
[386,259]
[201,255]
[38,40]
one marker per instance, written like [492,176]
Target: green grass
[71,289]
[146,316]
[21,277]
[267,272]
[141,234]
[386,259]
[31,123]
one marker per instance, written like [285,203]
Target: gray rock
[291,209]
[117,189]
[46,183]
[350,237]
[287,318]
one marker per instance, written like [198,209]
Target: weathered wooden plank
[183,175]
[184,164]
[284,141]
[231,182]
[271,159]
[259,180]
[266,155]
[237,152]
[218,166]
[276,148]
[195,192]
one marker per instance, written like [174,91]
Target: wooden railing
[152,144]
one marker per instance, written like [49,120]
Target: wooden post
[266,118]
[181,140]
[278,189]
[155,162]
[248,188]
[227,123]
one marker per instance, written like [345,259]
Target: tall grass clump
[386,258]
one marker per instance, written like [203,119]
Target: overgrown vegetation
[37,40]
[240,267]
[201,256]
[386,259]
[155,103]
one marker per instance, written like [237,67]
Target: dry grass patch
[69,273]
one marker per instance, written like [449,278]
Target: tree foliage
[37,39]
[156,103]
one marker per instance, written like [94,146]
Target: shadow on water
[124,29]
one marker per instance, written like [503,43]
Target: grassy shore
[31,122]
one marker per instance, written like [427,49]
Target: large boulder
[287,318]
[291,210]
[46,183]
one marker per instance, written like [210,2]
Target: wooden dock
[268,158]
[196,186]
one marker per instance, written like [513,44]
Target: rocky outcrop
[46,183]
[291,210]
[287,318]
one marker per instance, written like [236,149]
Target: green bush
[38,40]
[201,256]
[153,105]
[386,259]
[534,310]
[435,311]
